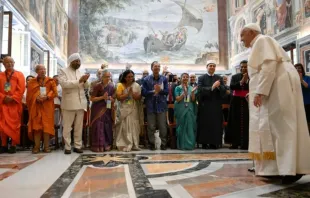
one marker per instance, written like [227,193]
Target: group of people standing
[267,112]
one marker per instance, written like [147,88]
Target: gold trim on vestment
[263,156]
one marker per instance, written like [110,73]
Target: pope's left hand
[258,100]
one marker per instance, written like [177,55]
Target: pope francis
[279,141]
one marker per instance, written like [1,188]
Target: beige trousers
[70,117]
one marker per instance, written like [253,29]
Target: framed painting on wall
[305,57]
[307,60]
[36,58]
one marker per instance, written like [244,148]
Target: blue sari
[185,113]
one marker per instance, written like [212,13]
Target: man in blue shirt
[155,91]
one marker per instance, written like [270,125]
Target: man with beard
[211,92]
[73,103]
[238,119]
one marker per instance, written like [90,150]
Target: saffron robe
[278,133]
[41,115]
[11,113]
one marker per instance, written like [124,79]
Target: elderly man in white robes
[73,103]
[279,141]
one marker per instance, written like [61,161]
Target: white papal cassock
[279,139]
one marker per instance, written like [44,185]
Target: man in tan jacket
[73,103]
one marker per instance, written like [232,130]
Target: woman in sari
[101,114]
[185,113]
[128,93]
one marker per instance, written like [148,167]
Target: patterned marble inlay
[165,175]
[16,159]
[15,163]
[209,156]
[230,178]
[101,182]
[166,167]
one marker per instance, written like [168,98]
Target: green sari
[185,113]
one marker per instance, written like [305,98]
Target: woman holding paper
[130,119]
[101,114]
[185,111]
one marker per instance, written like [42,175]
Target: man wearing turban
[73,103]
[278,133]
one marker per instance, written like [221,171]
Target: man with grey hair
[193,80]
[278,133]
[73,103]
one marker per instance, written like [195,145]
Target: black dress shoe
[162,147]
[12,150]
[67,152]
[152,147]
[4,149]
[252,170]
[211,146]
[233,147]
[289,179]
[76,150]
[244,148]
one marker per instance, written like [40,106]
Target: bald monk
[41,92]
[12,88]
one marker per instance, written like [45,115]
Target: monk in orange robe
[41,92]
[12,88]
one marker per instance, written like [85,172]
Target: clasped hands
[84,78]
[157,89]
[216,84]
[245,78]
[7,99]
[106,97]
[41,99]
[133,94]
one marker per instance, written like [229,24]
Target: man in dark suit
[211,91]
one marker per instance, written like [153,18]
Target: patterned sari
[185,113]
[129,121]
[101,120]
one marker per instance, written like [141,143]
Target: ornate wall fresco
[141,31]
[49,18]
[277,18]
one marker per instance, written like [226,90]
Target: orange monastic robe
[11,113]
[41,115]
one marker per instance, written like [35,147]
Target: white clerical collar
[210,74]
[254,40]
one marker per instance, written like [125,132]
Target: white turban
[211,62]
[73,57]
[252,26]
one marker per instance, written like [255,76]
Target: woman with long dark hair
[130,119]
[185,111]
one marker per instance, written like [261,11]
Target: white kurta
[279,141]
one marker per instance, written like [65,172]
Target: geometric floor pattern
[196,174]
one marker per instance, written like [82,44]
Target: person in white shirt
[73,103]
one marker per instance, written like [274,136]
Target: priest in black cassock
[211,91]
[238,120]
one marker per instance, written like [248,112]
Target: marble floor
[171,173]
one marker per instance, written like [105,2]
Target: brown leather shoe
[76,150]
[67,152]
